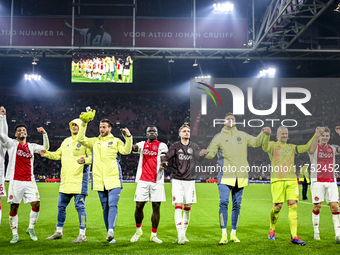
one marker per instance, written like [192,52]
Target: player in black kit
[183,156]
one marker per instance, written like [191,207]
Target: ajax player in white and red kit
[2,161]
[20,174]
[323,181]
[150,181]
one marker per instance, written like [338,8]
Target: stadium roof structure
[278,30]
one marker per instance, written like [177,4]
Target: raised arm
[54,155]
[4,123]
[314,144]
[4,139]
[46,142]
[257,141]
[266,145]
[82,139]
[306,147]
[126,148]
[67,25]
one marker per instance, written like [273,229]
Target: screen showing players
[108,68]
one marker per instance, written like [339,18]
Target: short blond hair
[183,126]
[229,114]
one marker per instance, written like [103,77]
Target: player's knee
[278,207]
[139,207]
[156,206]
[79,207]
[334,207]
[224,203]
[317,207]
[36,205]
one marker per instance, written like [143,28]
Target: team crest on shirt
[110,143]
[190,151]
[154,147]
[289,147]
[316,198]
[238,139]
[329,150]
[78,145]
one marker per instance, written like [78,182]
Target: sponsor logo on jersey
[190,151]
[150,153]
[184,157]
[286,153]
[24,154]
[325,155]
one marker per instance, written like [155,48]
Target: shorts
[150,192]
[19,190]
[126,71]
[285,190]
[183,192]
[322,191]
[2,187]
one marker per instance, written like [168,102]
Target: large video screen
[100,68]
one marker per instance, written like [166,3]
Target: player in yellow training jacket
[74,175]
[284,184]
[231,147]
[107,173]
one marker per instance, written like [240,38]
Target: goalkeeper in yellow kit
[284,184]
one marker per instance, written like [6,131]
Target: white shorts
[102,71]
[183,192]
[126,71]
[322,191]
[119,71]
[2,187]
[19,190]
[149,192]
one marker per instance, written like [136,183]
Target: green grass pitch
[204,232]
[81,79]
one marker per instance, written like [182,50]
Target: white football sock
[186,219]
[33,218]
[336,223]
[178,219]
[13,223]
[316,219]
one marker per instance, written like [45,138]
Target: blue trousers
[109,200]
[79,202]
[236,194]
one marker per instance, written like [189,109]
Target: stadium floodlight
[195,64]
[171,61]
[202,77]
[34,77]
[225,7]
[268,72]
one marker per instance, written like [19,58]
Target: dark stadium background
[160,93]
